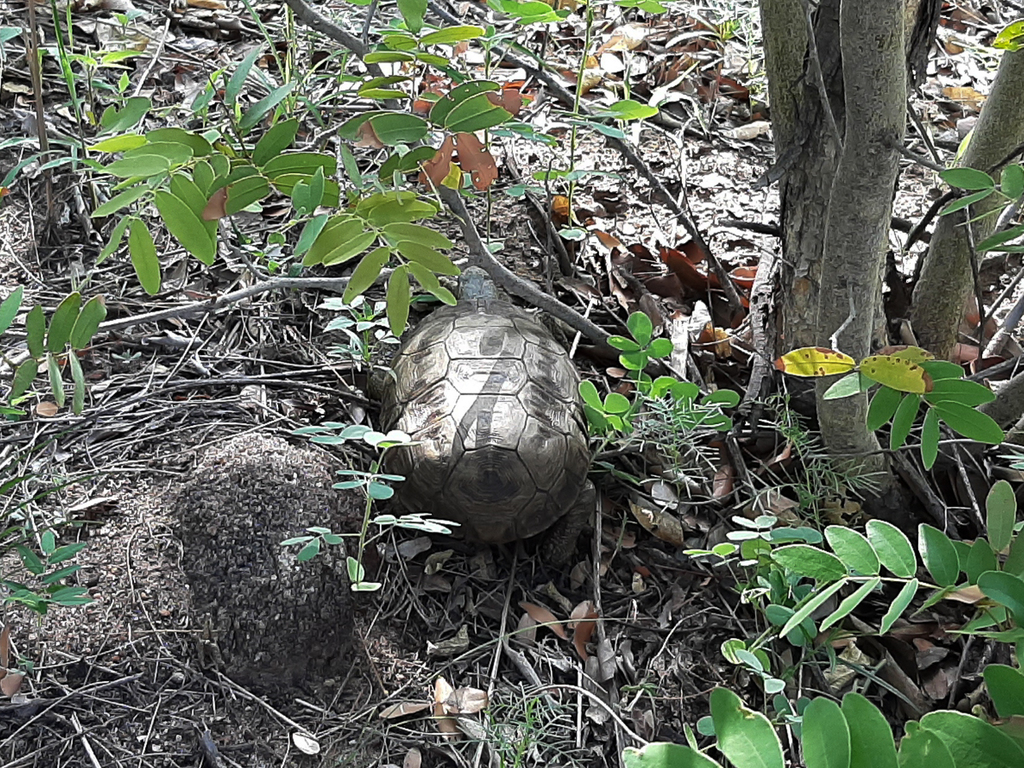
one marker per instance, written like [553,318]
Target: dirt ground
[127,680]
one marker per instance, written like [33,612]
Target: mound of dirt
[274,622]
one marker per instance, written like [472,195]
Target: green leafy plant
[850,734]
[907,378]
[375,484]
[365,326]
[1008,190]
[666,403]
[52,346]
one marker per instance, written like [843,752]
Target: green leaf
[825,735]
[173,153]
[899,605]
[810,561]
[474,114]
[1006,589]
[433,260]
[30,560]
[122,143]
[871,741]
[1012,181]
[264,105]
[883,406]
[809,607]
[627,109]
[930,438]
[394,128]
[921,748]
[968,393]
[417,233]
[198,145]
[35,331]
[903,421]
[56,382]
[851,602]
[366,273]
[350,248]
[398,300]
[666,755]
[310,232]
[275,141]
[134,109]
[187,228]
[412,12]
[1011,37]
[745,737]
[115,239]
[1001,506]
[938,554]
[309,551]
[1006,688]
[338,230]
[23,378]
[142,166]
[972,742]
[9,308]
[121,200]
[849,385]
[965,201]
[144,259]
[892,547]
[980,559]
[451,35]
[1015,560]
[88,322]
[62,322]
[853,549]
[641,328]
[78,398]
[967,178]
[245,192]
[234,86]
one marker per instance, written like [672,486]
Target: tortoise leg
[560,542]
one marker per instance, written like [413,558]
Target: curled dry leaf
[510,99]
[476,158]
[437,560]
[437,168]
[10,684]
[582,622]
[305,743]
[659,522]
[453,646]
[969,595]
[366,136]
[542,615]
[404,709]
[467,701]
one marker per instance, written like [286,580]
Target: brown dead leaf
[526,631]
[366,136]
[510,98]
[467,701]
[11,683]
[216,206]
[583,622]
[628,37]
[475,158]
[47,409]
[446,725]
[413,759]
[437,168]
[965,96]
[542,615]
[210,5]
[5,647]
[404,709]
[722,483]
[969,595]
[659,522]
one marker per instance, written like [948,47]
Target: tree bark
[805,151]
[856,234]
[946,279]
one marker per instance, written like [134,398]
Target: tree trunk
[946,279]
[805,151]
[856,234]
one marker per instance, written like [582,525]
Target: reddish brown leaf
[216,206]
[542,615]
[475,158]
[437,168]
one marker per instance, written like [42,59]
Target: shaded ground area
[129,679]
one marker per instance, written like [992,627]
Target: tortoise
[493,401]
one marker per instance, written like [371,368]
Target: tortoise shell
[494,402]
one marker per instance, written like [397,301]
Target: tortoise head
[476,285]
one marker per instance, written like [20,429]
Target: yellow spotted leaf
[815,361]
[903,352]
[897,373]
